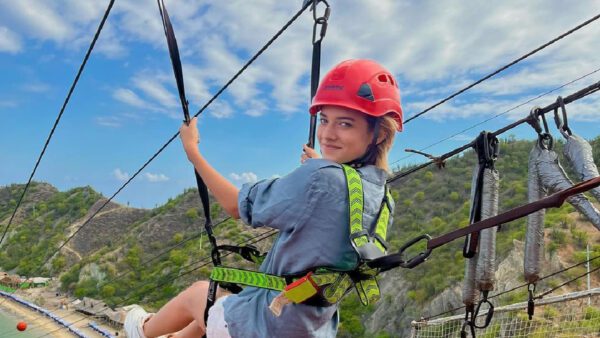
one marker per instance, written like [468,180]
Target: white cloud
[109,121]
[152,87]
[220,109]
[156,177]
[8,104]
[39,19]
[431,57]
[247,177]
[35,87]
[129,97]
[9,41]
[120,175]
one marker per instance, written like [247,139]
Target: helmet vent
[365,92]
[382,78]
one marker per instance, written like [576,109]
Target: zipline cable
[252,240]
[571,98]
[504,67]
[500,114]
[62,110]
[177,134]
[203,262]
[517,287]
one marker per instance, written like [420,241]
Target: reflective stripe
[248,278]
[264,280]
[334,285]
[368,291]
[355,199]
[382,221]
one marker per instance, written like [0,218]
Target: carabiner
[545,139]
[488,316]
[468,322]
[530,301]
[562,125]
[321,20]
[419,258]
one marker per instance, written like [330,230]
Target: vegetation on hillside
[127,271]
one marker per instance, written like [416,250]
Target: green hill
[114,256]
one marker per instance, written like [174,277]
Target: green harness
[322,286]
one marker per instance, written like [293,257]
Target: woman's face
[343,134]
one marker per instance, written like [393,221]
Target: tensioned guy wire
[205,261]
[501,114]
[62,110]
[524,285]
[177,134]
[504,68]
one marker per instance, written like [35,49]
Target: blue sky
[126,106]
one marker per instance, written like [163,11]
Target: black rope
[62,110]
[162,253]
[540,296]
[255,239]
[500,114]
[517,287]
[505,67]
[205,261]
[177,134]
[571,98]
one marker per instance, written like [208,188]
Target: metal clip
[488,316]
[530,301]
[562,124]
[321,20]
[545,139]
[419,258]
[468,322]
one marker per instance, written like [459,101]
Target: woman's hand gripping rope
[190,137]
[307,153]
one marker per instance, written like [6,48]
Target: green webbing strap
[249,278]
[264,280]
[355,199]
[334,292]
[334,285]
[368,291]
[382,221]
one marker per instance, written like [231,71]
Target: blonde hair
[387,127]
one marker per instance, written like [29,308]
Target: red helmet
[362,85]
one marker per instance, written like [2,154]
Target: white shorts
[216,327]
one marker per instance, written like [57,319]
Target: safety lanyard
[316,61]
[486,147]
[178,72]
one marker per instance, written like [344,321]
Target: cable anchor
[438,161]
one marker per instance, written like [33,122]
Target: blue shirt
[309,207]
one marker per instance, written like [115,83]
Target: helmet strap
[369,156]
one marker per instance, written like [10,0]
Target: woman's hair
[387,128]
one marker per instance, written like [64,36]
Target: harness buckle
[296,292]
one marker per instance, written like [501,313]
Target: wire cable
[62,110]
[501,114]
[520,286]
[177,134]
[569,99]
[504,68]
[203,262]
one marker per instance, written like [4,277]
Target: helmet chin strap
[369,156]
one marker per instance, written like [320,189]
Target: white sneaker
[134,321]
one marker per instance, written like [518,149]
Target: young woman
[359,106]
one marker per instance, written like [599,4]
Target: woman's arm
[225,192]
